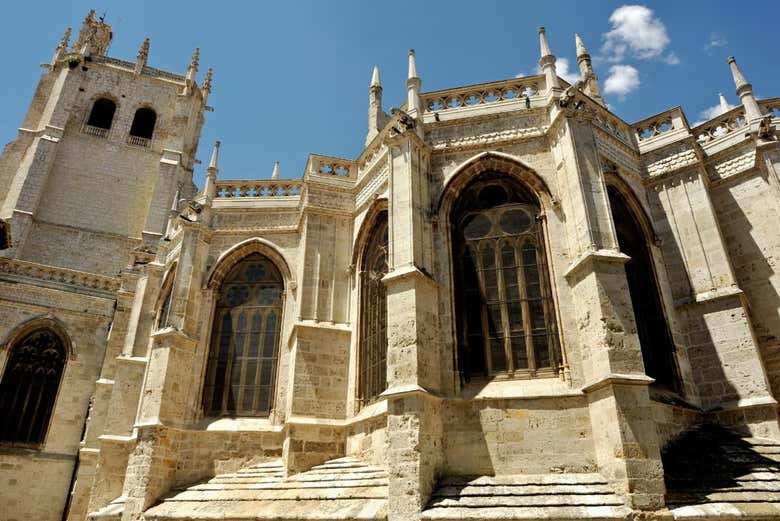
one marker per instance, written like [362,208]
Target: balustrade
[720,126]
[139,141]
[655,127]
[519,88]
[332,166]
[95,131]
[259,188]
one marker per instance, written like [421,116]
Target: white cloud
[638,33]
[622,80]
[715,40]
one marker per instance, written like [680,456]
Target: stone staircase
[561,497]
[340,489]
[713,472]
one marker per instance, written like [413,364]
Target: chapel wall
[748,212]
[37,481]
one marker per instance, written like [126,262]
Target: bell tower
[105,145]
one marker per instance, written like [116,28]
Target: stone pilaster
[414,427]
[625,437]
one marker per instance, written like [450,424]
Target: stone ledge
[612,256]
[617,379]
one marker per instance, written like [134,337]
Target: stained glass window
[29,387]
[241,370]
[372,354]
[506,322]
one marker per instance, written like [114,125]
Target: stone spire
[94,36]
[205,89]
[143,56]
[192,70]
[547,61]
[211,174]
[744,91]
[275,172]
[724,104]
[413,84]
[376,116]
[587,75]
[62,47]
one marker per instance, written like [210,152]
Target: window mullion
[502,299]
[527,331]
[484,310]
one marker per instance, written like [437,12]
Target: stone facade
[111,244]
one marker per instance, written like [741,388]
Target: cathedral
[512,304]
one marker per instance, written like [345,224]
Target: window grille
[28,389]
[505,310]
[372,355]
[241,369]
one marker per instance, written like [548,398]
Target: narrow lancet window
[653,331]
[142,129]
[372,354]
[28,389]
[241,369]
[505,314]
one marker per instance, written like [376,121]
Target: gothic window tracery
[29,385]
[372,354]
[505,310]
[241,369]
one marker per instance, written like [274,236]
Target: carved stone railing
[496,92]
[259,188]
[139,141]
[95,131]
[654,127]
[770,106]
[62,276]
[720,126]
[614,126]
[319,165]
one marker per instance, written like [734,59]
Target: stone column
[414,428]
[625,437]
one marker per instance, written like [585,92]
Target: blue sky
[291,78]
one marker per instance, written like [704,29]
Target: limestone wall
[517,436]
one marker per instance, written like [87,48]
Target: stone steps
[540,496]
[713,470]
[342,489]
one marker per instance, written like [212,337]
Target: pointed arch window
[372,352]
[28,389]
[241,368]
[505,310]
[655,339]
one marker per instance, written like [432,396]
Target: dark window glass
[506,323]
[372,353]
[241,371]
[652,328]
[143,123]
[102,114]
[29,387]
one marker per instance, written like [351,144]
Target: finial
[214,157]
[175,202]
[412,65]
[724,104]
[375,81]
[205,89]
[544,47]
[275,173]
[192,70]
[90,16]
[581,50]
[739,79]
[65,39]
[143,56]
